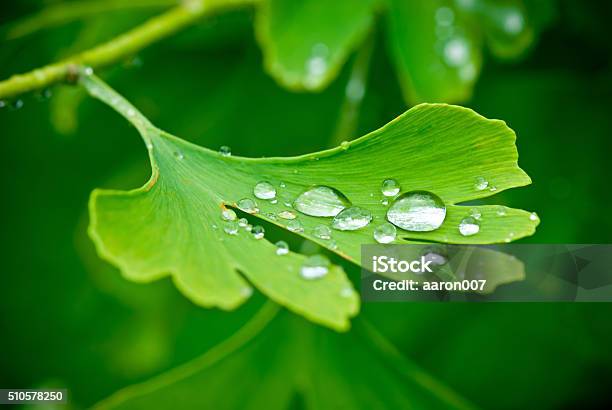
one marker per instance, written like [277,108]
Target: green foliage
[172,225]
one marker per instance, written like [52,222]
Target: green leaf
[167,227]
[436,54]
[277,362]
[305,42]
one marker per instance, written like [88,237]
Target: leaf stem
[120,47]
[245,334]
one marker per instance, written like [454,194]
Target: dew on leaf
[480,184]
[231,228]
[533,216]
[282,248]
[315,267]
[385,233]
[351,219]
[434,258]
[475,213]
[344,145]
[469,226]
[282,185]
[384,202]
[295,226]
[225,151]
[228,214]
[242,222]
[322,232]
[179,155]
[248,205]
[390,187]
[321,200]
[258,232]
[264,190]
[16,104]
[501,212]
[274,201]
[333,245]
[417,211]
[287,215]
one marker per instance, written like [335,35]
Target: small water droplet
[228,214]
[346,292]
[469,226]
[513,22]
[282,248]
[333,245]
[434,258]
[248,227]
[274,201]
[351,219]
[242,222]
[248,205]
[225,151]
[385,233]
[179,155]
[231,228]
[282,185]
[149,145]
[344,145]
[456,52]
[417,211]
[390,187]
[270,216]
[322,232]
[475,213]
[258,232]
[214,226]
[493,188]
[480,184]
[44,94]
[315,267]
[384,202]
[501,212]
[533,216]
[88,71]
[264,190]
[16,104]
[287,215]
[321,200]
[295,226]
[288,205]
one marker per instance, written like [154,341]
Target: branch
[118,48]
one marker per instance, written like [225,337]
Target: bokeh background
[68,319]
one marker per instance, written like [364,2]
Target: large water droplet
[264,190]
[287,215]
[282,248]
[248,205]
[469,226]
[390,187]
[480,184]
[228,214]
[258,232]
[417,211]
[231,228]
[351,219]
[322,232]
[385,233]
[225,151]
[321,200]
[295,226]
[314,267]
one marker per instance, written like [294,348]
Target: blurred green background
[68,319]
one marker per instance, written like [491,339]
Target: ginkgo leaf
[172,225]
[277,360]
[306,42]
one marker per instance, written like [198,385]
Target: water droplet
[321,200]
[295,226]
[493,188]
[390,187]
[501,212]
[533,216]
[456,52]
[228,214]
[333,245]
[214,226]
[322,232]
[248,227]
[344,145]
[434,258]
[351,219]
[480,184]
[346,292]
[315,267]
[149,145]
[475,213]
[242,222]
[88,71]
[16,104]
[385,233]
[248,205]
[282,185]
[44,94]
[258,232]
[418,211]
[231,228]
[384,201]
[179,155]
[274,201]
[469,226]
[264,190]
[225,151]
[282,248]
[287,215]
[2,103]
[513,22]
[288,205]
